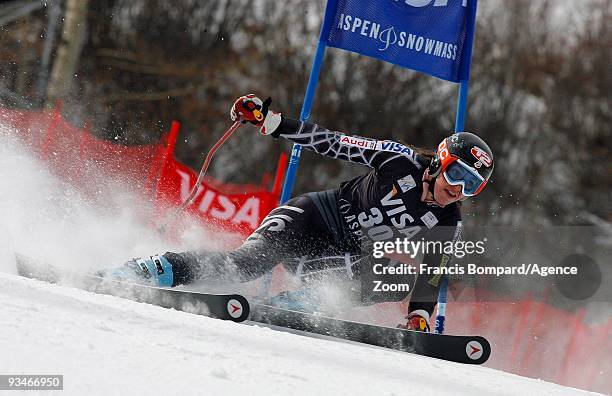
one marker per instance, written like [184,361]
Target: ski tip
[238,308]
[477,350]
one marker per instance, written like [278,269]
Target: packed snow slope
[106,345]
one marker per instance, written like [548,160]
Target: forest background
[539,94]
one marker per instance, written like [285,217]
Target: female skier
[407,193]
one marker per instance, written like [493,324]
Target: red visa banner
[79,157]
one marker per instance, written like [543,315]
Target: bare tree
[69,51]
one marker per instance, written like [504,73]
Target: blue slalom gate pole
[313,80]
[459,126]
[462,106]
[304,115]
[441,313]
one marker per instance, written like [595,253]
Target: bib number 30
[371,223]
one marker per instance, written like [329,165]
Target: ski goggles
[459,173]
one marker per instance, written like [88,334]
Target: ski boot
[154,271]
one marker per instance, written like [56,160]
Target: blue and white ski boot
[154,271]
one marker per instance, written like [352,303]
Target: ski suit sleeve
[426,288]
[370,152]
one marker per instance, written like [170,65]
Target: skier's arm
[425,291]
[370,152]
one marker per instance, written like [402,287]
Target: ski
[461,349]
[233,307]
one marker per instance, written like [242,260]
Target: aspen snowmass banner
[430,36]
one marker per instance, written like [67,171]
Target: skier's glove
[249,108]
[416,320]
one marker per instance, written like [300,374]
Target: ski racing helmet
[464,159]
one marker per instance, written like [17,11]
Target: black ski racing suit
[334,230]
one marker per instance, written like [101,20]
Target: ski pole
[196,187]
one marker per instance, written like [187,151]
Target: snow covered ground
[106,345]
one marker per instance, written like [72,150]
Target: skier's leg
[291,230]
